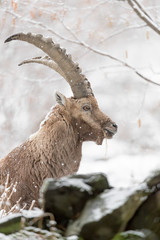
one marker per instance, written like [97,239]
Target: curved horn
[79,84]
[47,61]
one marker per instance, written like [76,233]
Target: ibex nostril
[115,125]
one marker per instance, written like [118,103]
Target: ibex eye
[86,108]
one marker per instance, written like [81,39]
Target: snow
[4,237]
[36,213]
[74,183]
[26,93]
[122,169]
[72,238]
[10,217]
[109,201]
[135,233]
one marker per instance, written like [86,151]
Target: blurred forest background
[117,45]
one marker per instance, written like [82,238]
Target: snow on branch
[141,12]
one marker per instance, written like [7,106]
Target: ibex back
[55,150]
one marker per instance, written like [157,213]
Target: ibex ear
[60,98]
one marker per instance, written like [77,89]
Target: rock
[108,213]
[15,222]
[66,197]
[10,224]
[28,225]
[148,215]
[98,181]
[153,180]
[90,209]
[144,234]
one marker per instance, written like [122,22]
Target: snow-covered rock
[108,213]
[66,197]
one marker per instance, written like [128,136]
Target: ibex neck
[57,146]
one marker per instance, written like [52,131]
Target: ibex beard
[55,150]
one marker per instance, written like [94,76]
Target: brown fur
[55,149]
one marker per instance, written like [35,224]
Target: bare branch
[78,82]
[39,24]
[82,43]
[114,34]
[139,9]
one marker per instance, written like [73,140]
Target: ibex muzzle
[55,150]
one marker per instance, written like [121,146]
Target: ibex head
[90,123]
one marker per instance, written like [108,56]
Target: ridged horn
[78,82]
[47,61]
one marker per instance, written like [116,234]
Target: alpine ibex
[55,150]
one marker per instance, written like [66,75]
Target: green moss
[11,226]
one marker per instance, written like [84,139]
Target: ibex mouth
[109,133]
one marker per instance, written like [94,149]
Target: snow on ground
[111,27]
[121,168]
